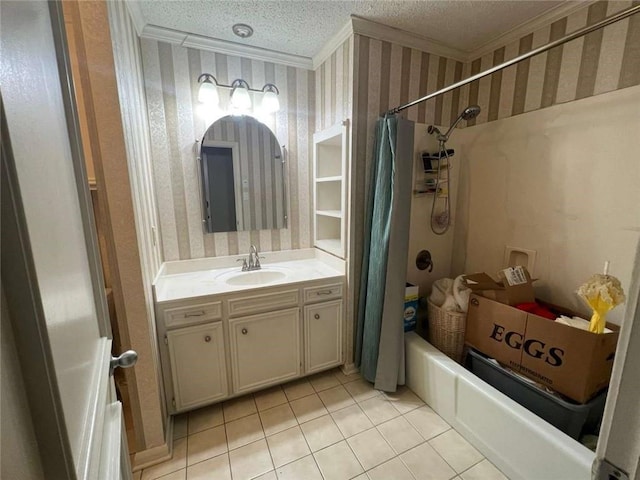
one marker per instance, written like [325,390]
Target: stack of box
[573,362]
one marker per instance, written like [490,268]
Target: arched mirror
[243,177]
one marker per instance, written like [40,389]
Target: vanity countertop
[210,276]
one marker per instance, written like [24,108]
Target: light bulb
[240,98]
[208,93]
[270,102]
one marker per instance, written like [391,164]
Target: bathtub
[518,442]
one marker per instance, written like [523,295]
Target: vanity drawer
[191,314]
[324,292]
[262,303]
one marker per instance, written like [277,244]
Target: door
[322,336]
[50,267]
[198,367]
[265,349]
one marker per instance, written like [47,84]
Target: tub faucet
[254,259]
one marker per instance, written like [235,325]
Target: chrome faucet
[254,259]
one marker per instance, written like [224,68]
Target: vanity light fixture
[240,98]
[208,91]
[270,102]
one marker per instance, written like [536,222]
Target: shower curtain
[380,329]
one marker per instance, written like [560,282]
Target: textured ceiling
[302,27]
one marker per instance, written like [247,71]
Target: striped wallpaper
[171,73]
[605,60]
[334,87]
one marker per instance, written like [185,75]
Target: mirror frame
[204,187]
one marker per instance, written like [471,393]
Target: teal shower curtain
[380,330]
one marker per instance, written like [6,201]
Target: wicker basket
[446,331]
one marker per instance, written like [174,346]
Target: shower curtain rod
[578,33]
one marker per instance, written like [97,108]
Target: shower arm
[567,38]
[445,137]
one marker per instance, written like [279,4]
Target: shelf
[330,213]
[331,245]
[336,178]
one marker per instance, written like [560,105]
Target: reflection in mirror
[242,170]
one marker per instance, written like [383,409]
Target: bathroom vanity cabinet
[224,345]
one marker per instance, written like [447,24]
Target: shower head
[468,113]
[472,111]
[432,129]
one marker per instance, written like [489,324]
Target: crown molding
[332,44]
[135,12]
[162,34]
[221,46]
[247,51]
[386,33]
[547,18]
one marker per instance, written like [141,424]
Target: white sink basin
[256,277]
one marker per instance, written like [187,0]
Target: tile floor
[329,426]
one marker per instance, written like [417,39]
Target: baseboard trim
[153,456]
[349,368]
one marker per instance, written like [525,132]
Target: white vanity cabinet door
[198,366]
[265,349]
[323,335]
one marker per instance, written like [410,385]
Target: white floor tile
[177,462]
[427,422]
[425,463]
[400,434]
[393,469]
[362,476]
[457,452]
[205,417]
[270,398]
[307,408]
[267,476]
[378,409]
[336,398]
[287,446]
[351,420]
[338,462]
[361,390]
[404,400]
[323,381]
[250,461]
[321,432]
[206,444]
[277,419]
[342,378]
[216,467]
[298,389]
[238,408]
[179,475]
[303,469]
[370,448]
[485,470]
[243,431]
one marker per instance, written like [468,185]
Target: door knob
[316,316]
[207,338]
[125,360]
[245,331]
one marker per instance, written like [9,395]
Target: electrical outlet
[520,256]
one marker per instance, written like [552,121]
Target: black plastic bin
[572,418]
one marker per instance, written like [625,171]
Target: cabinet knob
[245,331]
[207,338]
[316,316]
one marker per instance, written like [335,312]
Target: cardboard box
[410,307]
[574,362]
